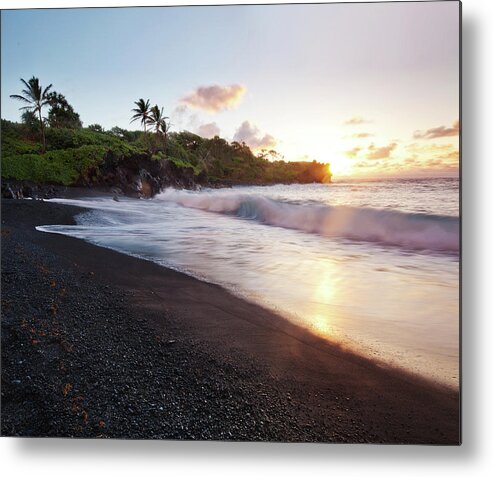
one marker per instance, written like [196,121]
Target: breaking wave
[407,230]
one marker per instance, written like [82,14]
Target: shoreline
[352,351]
[316,391]
[18,189]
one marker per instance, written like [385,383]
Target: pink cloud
[380,152]
[214,98]
[250,135]
[437,132]
[208,130]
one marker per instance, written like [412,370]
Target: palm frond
[45,92]
[34,87]
[28,93]
[28,86]
[20,98]
[142,105]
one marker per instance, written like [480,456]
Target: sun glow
[340,166]
[332,152]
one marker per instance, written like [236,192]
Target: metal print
[233,223]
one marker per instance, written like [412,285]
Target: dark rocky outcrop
[136,176]
[14,189]
[141,176]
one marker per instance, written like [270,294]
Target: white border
[43,457]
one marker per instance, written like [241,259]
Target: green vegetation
[235,163]
[65,167]
[73,156]
[69,154]
[77,156]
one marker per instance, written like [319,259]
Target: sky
[372,89]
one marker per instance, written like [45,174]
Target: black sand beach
[100,344]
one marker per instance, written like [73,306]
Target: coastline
[218,366]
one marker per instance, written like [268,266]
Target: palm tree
[142,112]
[158,119]
[35,97]
[165,129]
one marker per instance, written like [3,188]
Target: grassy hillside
[80,156]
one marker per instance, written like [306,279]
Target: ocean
[372,266]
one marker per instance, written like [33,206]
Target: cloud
[446,152]
[435,163]
[356,120]
[250,134]
[372,152]
[430,148]
[432,157]
[440,131]
[180,110]
[380,152]
[181,117]
[453,155]
[214,98]
[208,130]
[353,152]
[366,164]
[362,135]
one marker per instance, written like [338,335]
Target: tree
[31,123]
[118,132]
[36,98]
[165,129]
[96,128]
[129,136]
[270,155]
[158,120]
[142,112]
[61,113]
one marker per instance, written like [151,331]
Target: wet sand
[99,344]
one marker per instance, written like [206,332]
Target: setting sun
[340,166]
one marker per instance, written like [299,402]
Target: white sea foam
[408,230]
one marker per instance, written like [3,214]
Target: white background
[44,457]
